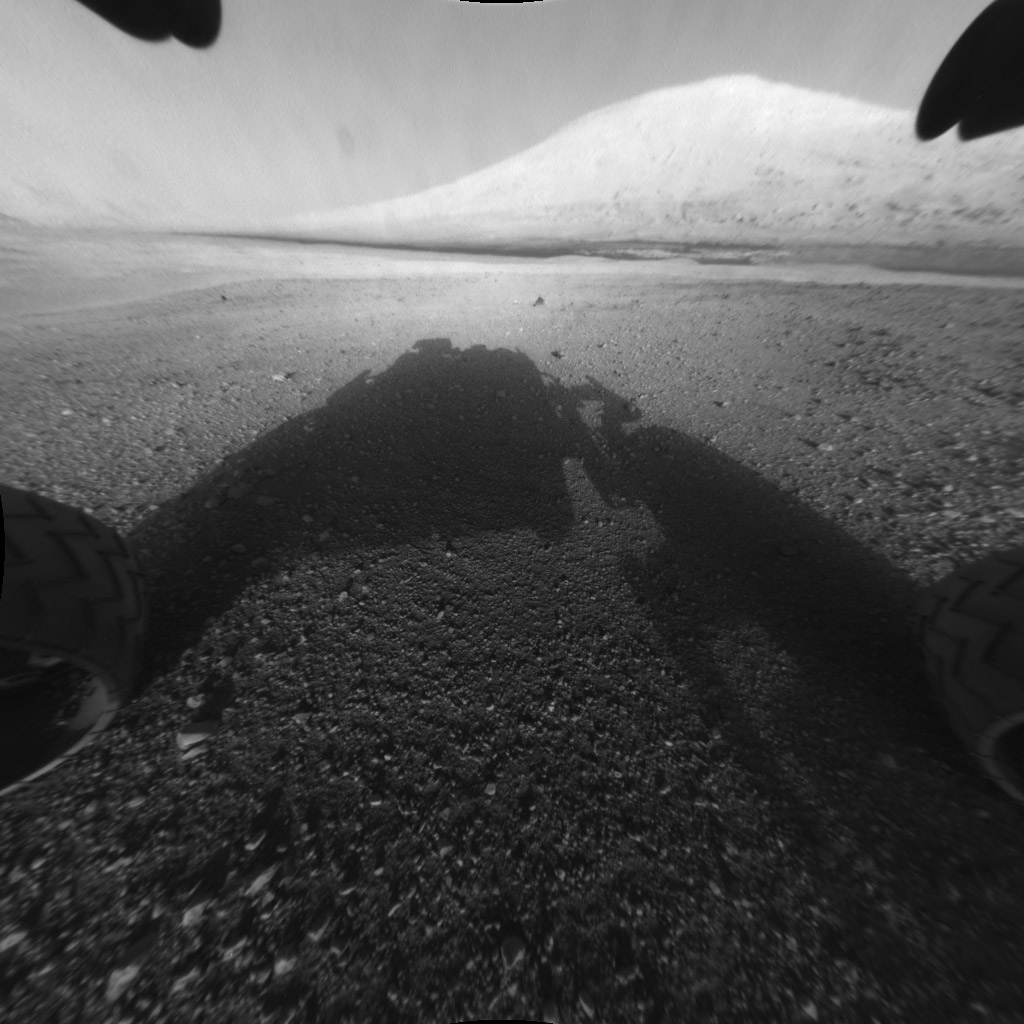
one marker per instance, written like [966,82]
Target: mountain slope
[728,159]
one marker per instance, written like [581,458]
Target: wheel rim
[1001,751]
[20,669]
[49,708]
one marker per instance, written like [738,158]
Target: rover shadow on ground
[451,443]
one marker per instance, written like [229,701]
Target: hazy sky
[355,100]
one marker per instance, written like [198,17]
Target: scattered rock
[261,881]
[550,1014]
[184,980]
[255,840]
[318,929]
[197,732]
[513,949]
[12,939]
[284,965]
[119,981]
[236,951]
[194,912]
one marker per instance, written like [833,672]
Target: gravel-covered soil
[524,660]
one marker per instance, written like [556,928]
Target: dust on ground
[547,659]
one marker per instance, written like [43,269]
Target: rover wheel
[971,629]
[72,624]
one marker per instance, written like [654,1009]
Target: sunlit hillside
[729,159]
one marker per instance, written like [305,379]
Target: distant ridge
[729,159]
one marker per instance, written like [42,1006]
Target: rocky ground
[518,658]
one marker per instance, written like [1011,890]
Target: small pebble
[197,732]
[261,881]
[12,939]
[283,965]
[194,912]
[119,981]
[512,950]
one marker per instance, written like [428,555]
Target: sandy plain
[530,636]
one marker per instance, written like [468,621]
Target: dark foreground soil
[524,660]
